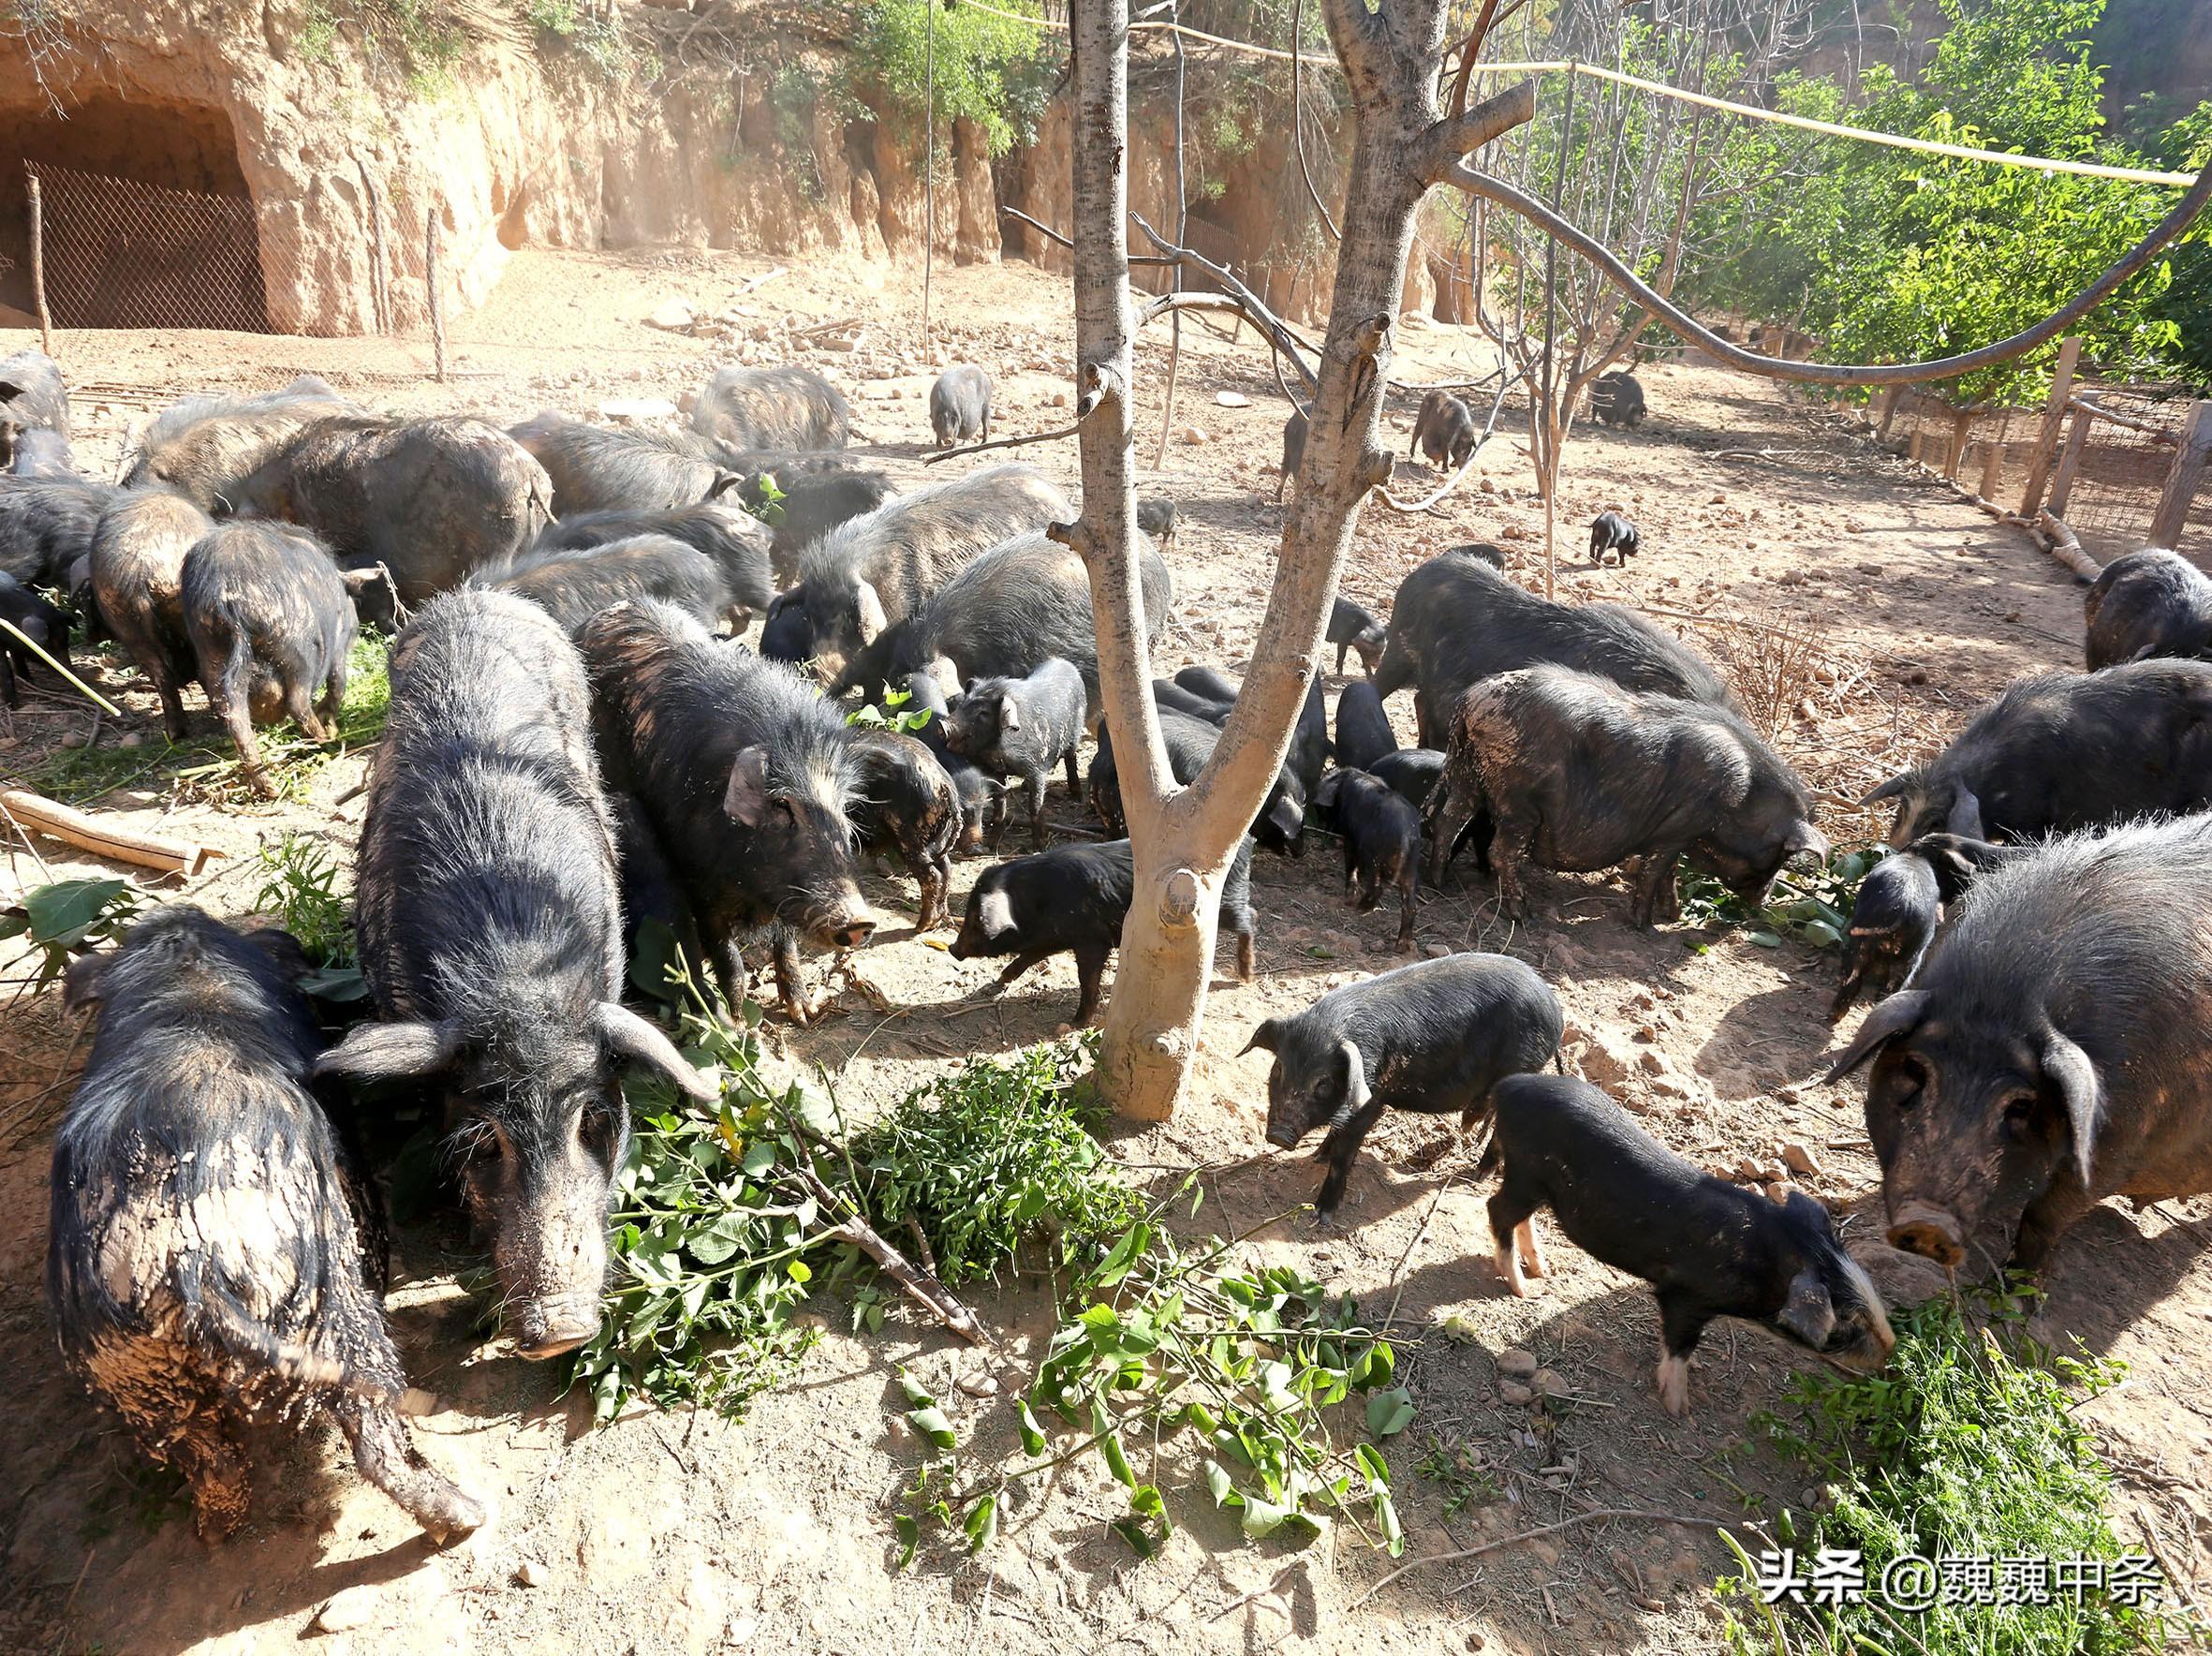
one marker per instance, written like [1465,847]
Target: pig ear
[870,606]
[1808,1315]
[1895,788]
[1355,1079]
[997,913]
[1897,1015]
[376,1052]
[623,1032]
[81,984]
[281,947]
[9,390]
[1288,814]
[1009,713]
[745,800]
[724,483]
[1966,815]
[1267,1037]
[2068,1068]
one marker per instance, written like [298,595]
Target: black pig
[1075,898]
[37,620]
[1579,775]
[40,453]
[1617,399]
[591,469]
[1444,430]
[787,635]
[2148,603]
[1156,521]
[1293,452]
[2067,750]
[1893,921]
[1611,532]
[1363,728]
[1351,627]
[45,524]
[960,405]
[137,580]
[574,585]
[205,447]
[808,505]
[212,1255]
[1381,835]
[1209,682]
[979,795]
[749,776]
[1010,727]
[2051,1052]
[1457,619]
[272,627]
[1708,1248]
[734,539]
[1168,694]
[490,929]
[906,798]
[1436,1037]
[784,408]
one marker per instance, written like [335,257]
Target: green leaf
[1123,1255]
[64,912]
[1117,1462]
[1389,1412]
[1372,1463]
[1032,1434]
[982,1523]
[910,1530]
[1263,1518]
[931,1423]
[1133,1532]
[1221,1484]
[913,1388]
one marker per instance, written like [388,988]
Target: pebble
[1516,1364]
[133,739]
[1436,950]
[1800,1159]
[1551,1382]
[1513,1391]
[529,1572]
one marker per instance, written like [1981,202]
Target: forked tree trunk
[1183,843]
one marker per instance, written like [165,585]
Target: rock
[1747,1171]
[671,314]
[1800,1159]
[133,739]
[1513,1391]
[1778,1191]
[1551,1382]
[529,1572]
[1459,1329]
[1233,399]
[1057,400]
[979,1384]
[1609,1060]
[1436,950]
[1516,1364]
[632,409]
[1651,1062]
[1191,436]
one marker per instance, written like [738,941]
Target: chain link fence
[120,254]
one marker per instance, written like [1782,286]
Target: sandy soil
[1863,611]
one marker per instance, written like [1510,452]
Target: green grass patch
[205,767]
[1966,1447]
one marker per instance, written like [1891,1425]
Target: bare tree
[1184,841]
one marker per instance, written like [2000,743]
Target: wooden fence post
[2171,517]
[2046,438]
[1993,459]
[1961,422]
[2077,440]
[1891,395]
[39,267]
[437,305]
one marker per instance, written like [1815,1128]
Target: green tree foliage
[988,69]
[1891,254]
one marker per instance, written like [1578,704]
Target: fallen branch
[1599,1515]
[1034,437]
[1051,234]
[103,839]
[2066,546]
[40,650]
[925,1289]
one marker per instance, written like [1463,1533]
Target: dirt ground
[1862,610]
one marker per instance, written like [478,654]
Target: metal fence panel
[120,254]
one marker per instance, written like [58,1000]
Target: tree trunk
[1183,845]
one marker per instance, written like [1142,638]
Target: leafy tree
[988,69]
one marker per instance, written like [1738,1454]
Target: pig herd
[574,752]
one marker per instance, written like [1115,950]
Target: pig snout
[1923,1228]
[549,1328]
[1283,1130]
[845,926]
[553,1275]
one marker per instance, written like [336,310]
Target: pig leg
[333,695]
[1510,1209]
[1035,787]
[387,1457]
[1409,885]
[1680,1324]
[1529,1249]
[1657,899]
[1090,966]
[1074,782]
[1015,969]
[302,712]
[1339,1149]
[790,987]
[2048,1218]
[1246,956]
[172,705]
[730,969]
[1451,804]
[239,721]
[222,1487]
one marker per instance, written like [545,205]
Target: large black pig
[2051,1052]
[784,408]
[734,539]
[45,524]
[575,585]
[1433,1038]
[2148,603]
[205,447]
[1457,619]
[212,1256]
[490,925]
[137,580]
[808,504]
[749,776]
[2067,750]
[870,574]
[1579,775]
[592,469]
[430,499]
[271,625]
[37,620]
[908,800]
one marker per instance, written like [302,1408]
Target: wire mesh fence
[121,254]
[2132,442]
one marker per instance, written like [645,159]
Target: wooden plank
[2046,438]
[2077,439]
[1961,422]
[1993,457]
[39,266]
[2171,517]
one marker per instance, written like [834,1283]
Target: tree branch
[1248,302]
[1449,141]
[1047,231]
[1682,323]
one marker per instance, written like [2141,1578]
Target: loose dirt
[1863,612]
